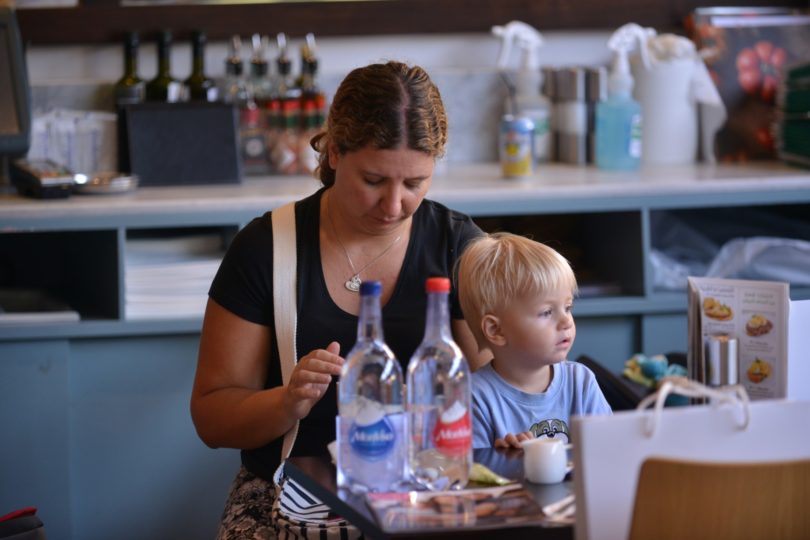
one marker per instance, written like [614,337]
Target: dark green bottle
[163,87]
[128,90]
[199,87]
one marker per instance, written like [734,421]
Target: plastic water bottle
[371,422]
[440,454]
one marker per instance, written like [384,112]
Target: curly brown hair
[383,106]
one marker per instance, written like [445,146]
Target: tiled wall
[463,67]
[473,102]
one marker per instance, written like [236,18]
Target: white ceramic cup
[544,460]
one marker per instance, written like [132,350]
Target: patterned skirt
[248,510]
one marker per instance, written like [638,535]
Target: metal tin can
[516,146]
[722,366]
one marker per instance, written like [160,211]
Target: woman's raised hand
[311,378]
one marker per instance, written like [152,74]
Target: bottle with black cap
[164,87]
[234,89]
[128,90]
[285,111]
[199,87]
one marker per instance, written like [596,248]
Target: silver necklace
[353,283]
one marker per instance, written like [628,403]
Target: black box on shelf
[178,144]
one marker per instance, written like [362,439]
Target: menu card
[755,313]
[485,508]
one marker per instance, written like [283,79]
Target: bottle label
[452,435]
[374,441]
[130,95]
[516,147]
[634,145]
[174,92]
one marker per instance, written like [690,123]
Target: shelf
[79,249]
[99,328]
[476,189]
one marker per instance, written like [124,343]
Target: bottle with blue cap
[618,119]
[371,422]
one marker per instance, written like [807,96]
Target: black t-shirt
[244,286]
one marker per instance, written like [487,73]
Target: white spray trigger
[631,34]
[525,37]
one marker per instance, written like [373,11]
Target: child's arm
[482,424]
[514,441]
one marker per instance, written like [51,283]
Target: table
[318,475]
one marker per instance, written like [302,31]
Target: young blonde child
[517,295]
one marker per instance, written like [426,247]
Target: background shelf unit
[103,402]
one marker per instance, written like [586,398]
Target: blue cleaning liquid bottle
[618,119]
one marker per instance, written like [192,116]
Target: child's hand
[514,441]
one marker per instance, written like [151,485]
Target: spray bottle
[526,99]
[618,119]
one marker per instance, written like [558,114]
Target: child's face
[539,329]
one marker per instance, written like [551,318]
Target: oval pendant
[353,283]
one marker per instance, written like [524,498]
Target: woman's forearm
[241,417]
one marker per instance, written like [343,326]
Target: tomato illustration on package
[759,68]
[452,434]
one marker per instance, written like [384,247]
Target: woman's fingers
[309,391]
[312,376]
[323,360]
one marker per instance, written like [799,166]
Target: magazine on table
[479,508]
[753,314]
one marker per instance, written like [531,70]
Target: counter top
[476,189]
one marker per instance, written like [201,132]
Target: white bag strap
[734,395]
[285,306]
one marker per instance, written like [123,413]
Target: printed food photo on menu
[758,325]
[714,309]
[758,371]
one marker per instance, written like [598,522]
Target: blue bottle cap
[370,288]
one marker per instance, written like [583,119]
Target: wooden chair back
[719,501]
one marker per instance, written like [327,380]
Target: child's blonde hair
[498,268]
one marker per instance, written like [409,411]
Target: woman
[385,129]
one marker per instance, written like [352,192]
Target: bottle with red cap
[438,400]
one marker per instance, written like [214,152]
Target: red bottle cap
[437,285]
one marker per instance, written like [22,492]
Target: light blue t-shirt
[499,408]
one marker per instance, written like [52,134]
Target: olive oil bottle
[128,90]
[199,87]
[163,87]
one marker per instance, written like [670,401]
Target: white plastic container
[671,81]
[670,135]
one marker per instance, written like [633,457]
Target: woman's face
[380,189]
